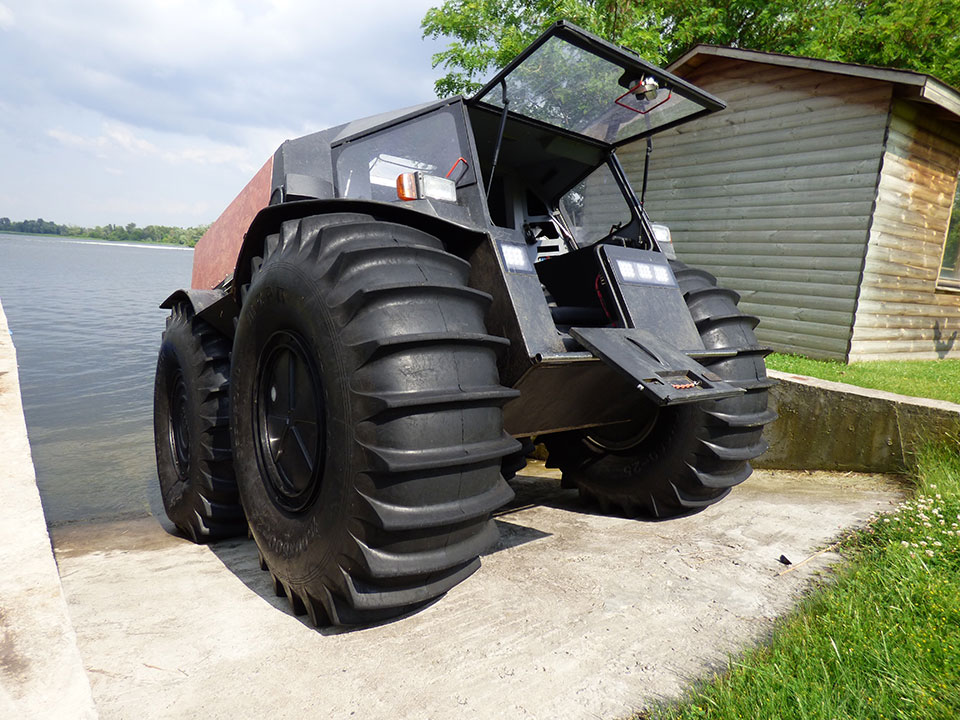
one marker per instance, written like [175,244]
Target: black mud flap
[665,375]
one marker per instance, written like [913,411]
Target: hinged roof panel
[581,84]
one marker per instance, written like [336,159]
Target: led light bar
[644,273]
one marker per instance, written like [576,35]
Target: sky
[160,111]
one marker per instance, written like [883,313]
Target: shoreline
[98,241]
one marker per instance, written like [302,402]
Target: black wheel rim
[179,433]
[622,438]
[289,421]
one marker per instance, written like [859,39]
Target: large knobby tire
[681,459]
[191,425]
[368,430]
[514,463]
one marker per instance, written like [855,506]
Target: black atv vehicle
[390,306]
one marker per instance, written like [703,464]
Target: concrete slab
[41,674]
[575,615]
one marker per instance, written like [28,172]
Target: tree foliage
[484,35]
[118,233]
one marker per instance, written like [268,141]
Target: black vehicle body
[577,383]
[561,322]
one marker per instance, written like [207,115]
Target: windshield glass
[577,90]
[594,207]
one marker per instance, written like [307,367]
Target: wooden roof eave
[910,83]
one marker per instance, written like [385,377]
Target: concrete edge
[825,425]
[41,671]
[864,392]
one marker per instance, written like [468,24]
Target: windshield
[581,91]
[594,207]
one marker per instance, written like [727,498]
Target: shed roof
[909,83]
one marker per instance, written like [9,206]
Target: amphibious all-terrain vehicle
[390,304]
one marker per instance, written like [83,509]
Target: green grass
[938,379]
[881,641]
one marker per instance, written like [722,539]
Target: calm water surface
[86,327]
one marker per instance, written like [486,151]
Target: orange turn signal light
[407,186]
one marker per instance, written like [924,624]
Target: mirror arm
[646,168]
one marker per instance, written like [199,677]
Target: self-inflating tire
[681,459]
[515,462]
[191,423]
[368,431]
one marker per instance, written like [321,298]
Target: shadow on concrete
[539,491]
[241,558]
[513,535]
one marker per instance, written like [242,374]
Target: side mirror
[647,89]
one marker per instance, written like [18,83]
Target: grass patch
[937,379]
[882,641]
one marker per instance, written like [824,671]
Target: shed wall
[901,314]
[774,194]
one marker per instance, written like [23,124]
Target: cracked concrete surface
[575,615]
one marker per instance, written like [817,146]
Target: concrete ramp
[41,673]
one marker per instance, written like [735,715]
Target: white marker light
[664,240]
[515,258]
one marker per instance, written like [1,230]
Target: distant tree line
[118,233]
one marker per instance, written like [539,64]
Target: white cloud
[181,99]
[69,139]
[119,141]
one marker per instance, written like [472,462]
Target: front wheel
[367,424]
[678,460]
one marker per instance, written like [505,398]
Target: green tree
[128,233]
[484,35]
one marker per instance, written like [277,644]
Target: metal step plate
[666,375]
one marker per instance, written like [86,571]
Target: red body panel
[215,256]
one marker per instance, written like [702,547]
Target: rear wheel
[191,422]
[515,462]
[678,460]
[367,418]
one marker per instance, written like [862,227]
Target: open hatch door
[581,84]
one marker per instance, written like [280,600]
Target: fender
[216,306]
[270,219]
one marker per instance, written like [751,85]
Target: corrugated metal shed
[822,194]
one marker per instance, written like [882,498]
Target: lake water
[86,327]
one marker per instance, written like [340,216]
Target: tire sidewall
[297,546]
